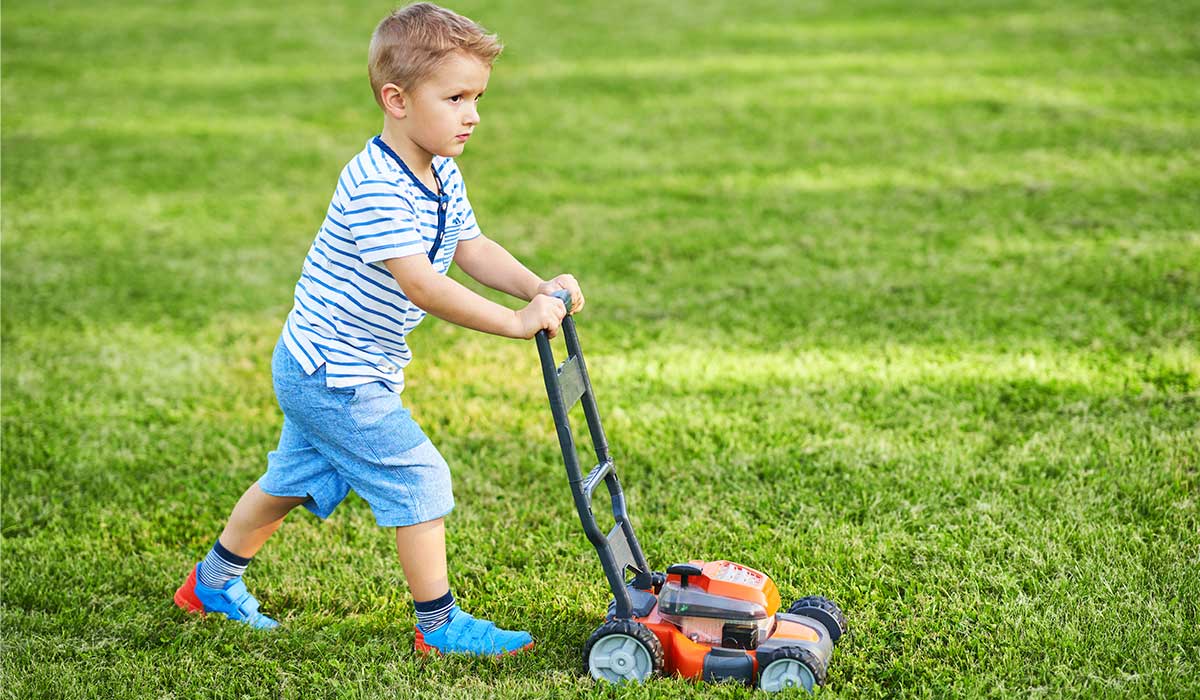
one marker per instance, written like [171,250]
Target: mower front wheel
[791,667]
[621,651]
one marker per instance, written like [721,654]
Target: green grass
[898,302]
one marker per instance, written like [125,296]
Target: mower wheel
[791,667]
[824,611]
[622,651]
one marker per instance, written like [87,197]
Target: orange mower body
[717,621]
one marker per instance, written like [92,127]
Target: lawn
[897,302]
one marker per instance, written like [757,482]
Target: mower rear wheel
[792,667]
[621,651]
[824,611]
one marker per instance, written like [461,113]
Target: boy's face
[442,111]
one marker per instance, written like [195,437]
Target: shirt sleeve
[383,222]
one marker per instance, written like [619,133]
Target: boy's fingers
[555,314]
[557,308]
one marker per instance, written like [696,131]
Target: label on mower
[740,575]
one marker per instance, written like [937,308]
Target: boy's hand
[544,312]
[568,283]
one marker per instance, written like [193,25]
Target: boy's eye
[456,99]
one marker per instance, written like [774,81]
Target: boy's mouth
[463,137]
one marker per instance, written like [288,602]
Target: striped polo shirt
[349,314]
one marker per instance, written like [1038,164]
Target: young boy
[398,217]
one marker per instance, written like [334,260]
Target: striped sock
[435,613]
[220,567]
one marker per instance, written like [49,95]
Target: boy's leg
[298,473]
[381,453]
[422,549]
[215,584]
[442,626]
[255,518]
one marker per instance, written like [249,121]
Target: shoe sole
[421,647]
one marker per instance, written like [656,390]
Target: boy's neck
[416,158]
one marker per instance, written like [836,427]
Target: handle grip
[564,296]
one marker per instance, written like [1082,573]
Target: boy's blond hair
[408,45]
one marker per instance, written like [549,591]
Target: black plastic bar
[600,444]
[583,502]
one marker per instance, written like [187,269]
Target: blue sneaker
[233,601]
[464,634]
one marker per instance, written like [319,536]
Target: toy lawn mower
[712,621]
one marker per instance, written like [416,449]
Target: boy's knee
[259,507]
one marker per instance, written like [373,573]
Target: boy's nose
[471,117]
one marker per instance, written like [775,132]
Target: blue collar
[440,196]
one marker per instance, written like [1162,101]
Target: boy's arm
[488,263]
[450,301]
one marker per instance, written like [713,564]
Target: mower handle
[567,385]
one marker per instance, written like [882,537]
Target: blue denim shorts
[360,438]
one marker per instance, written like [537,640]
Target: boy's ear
[395,100]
